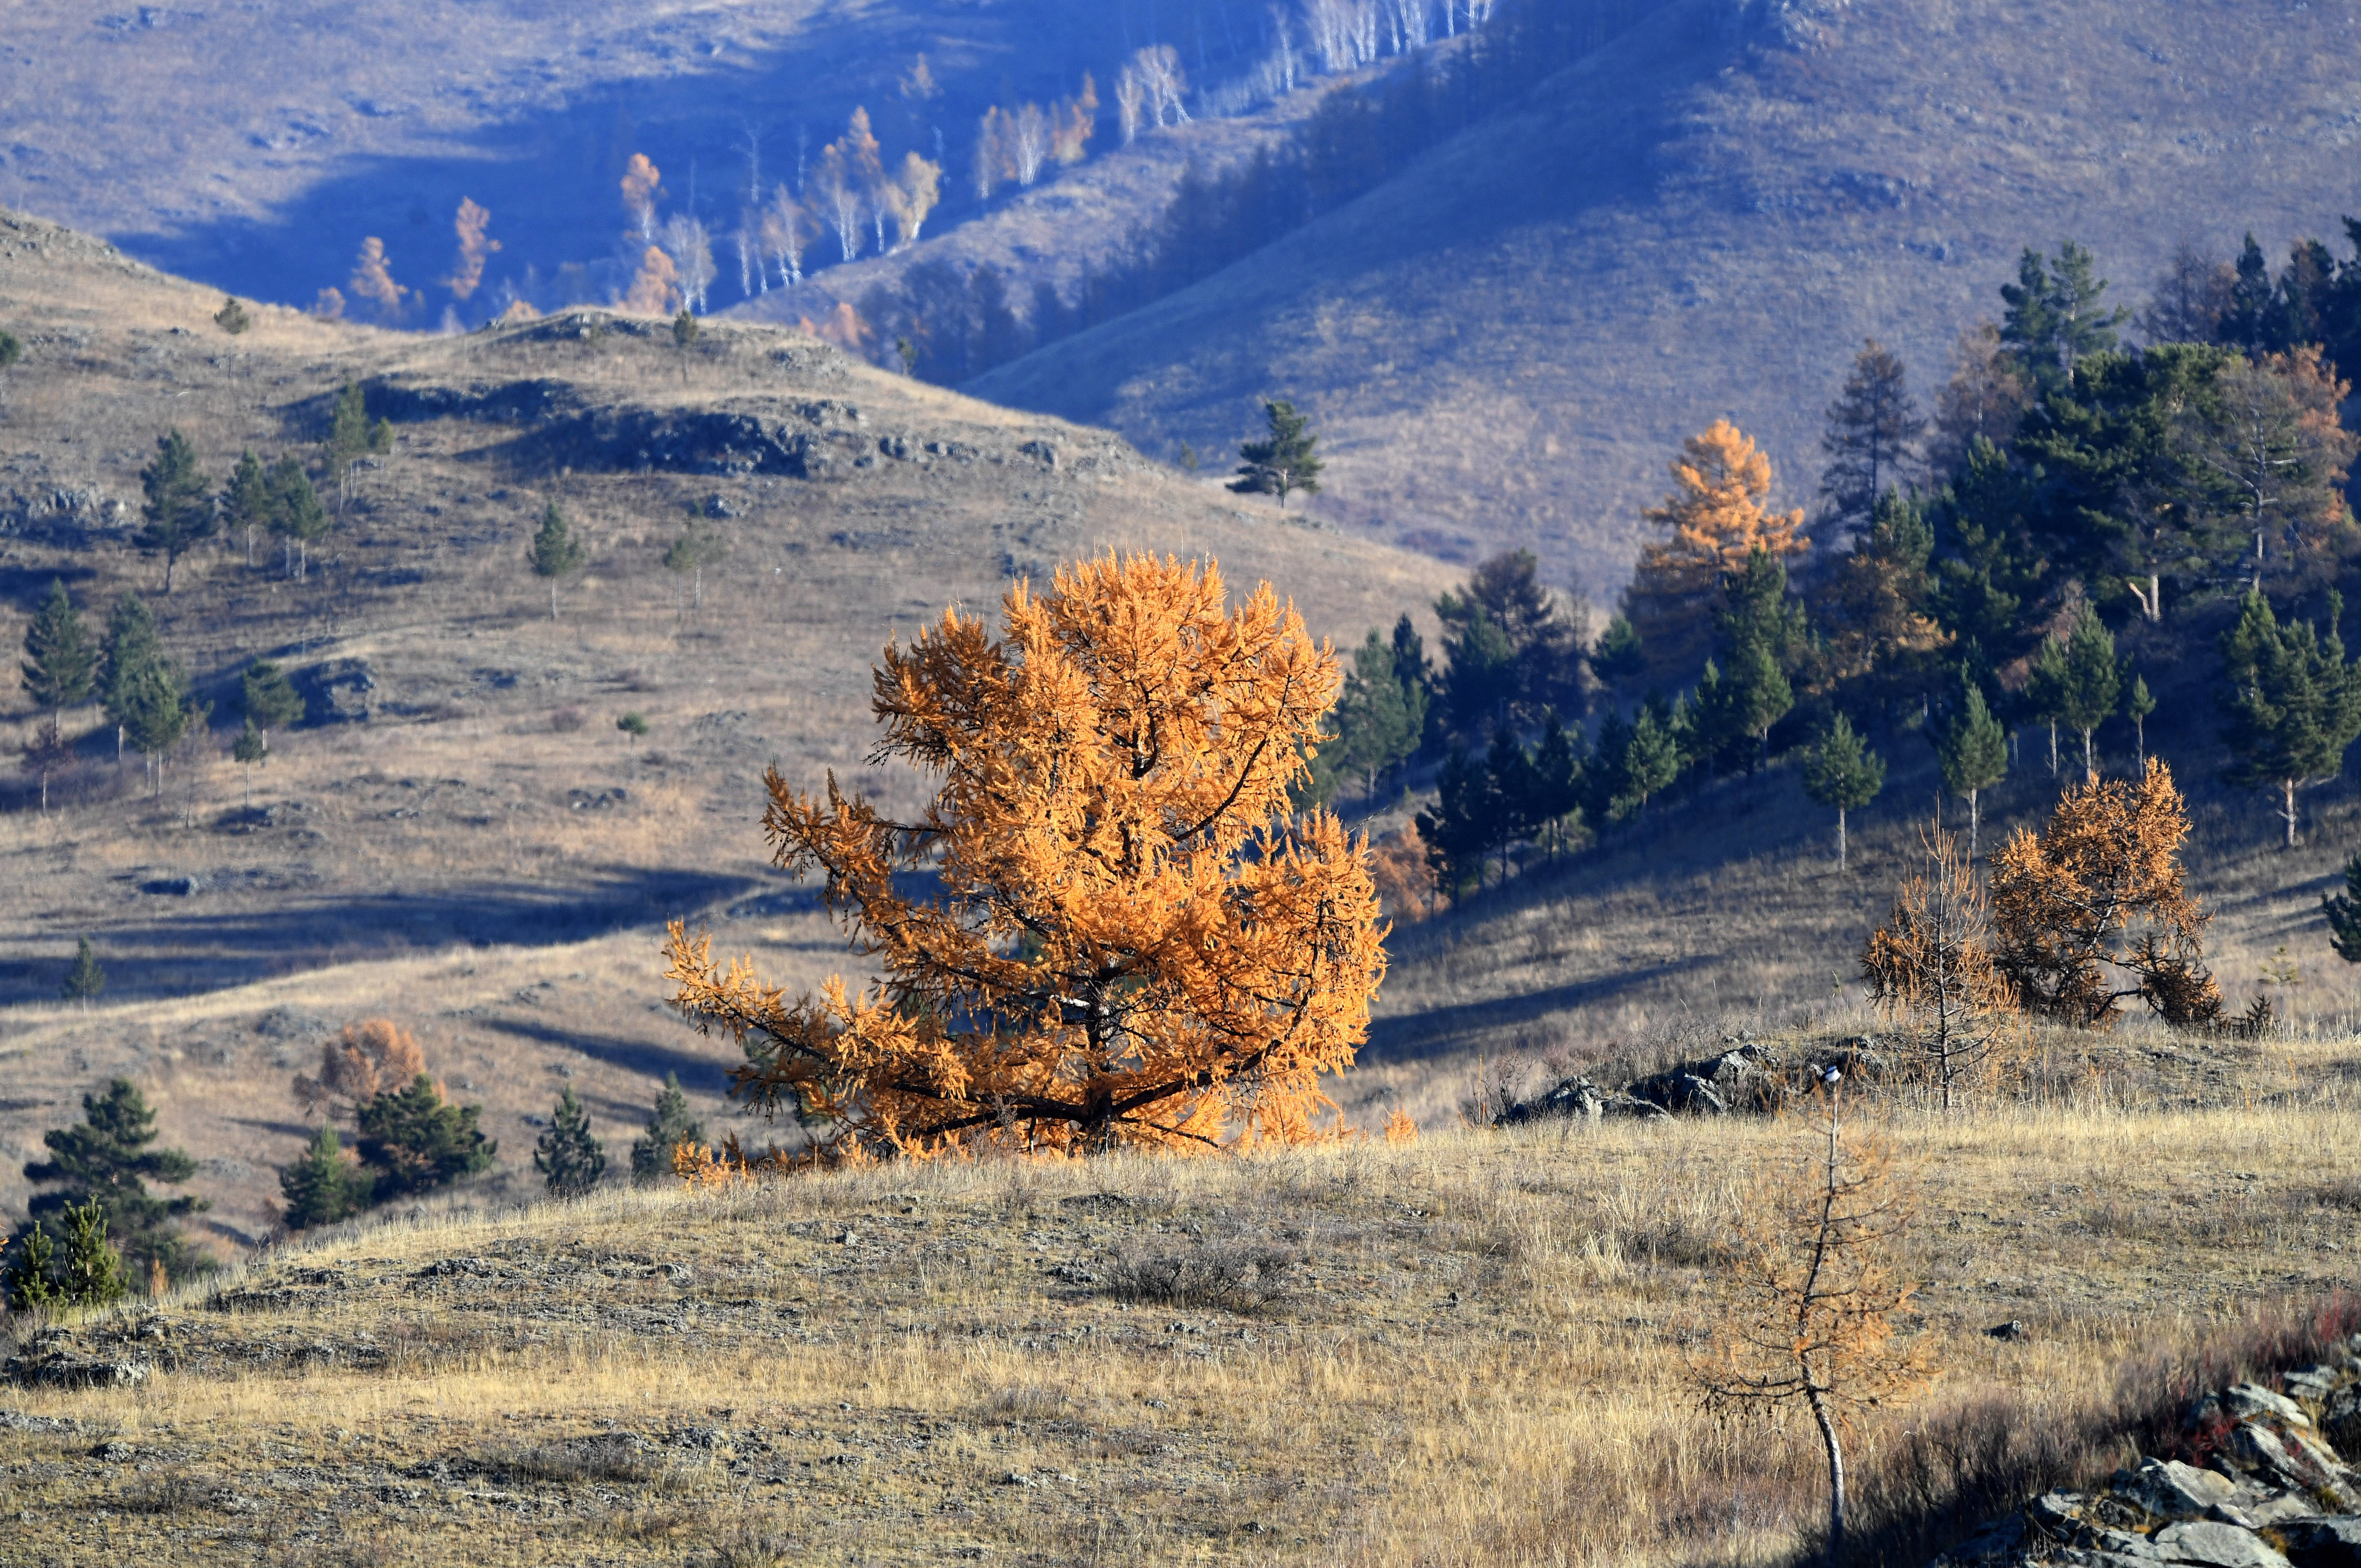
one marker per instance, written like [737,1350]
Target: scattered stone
[114,1450]
[2172,1490]
[2010,1331]
[2216,1545]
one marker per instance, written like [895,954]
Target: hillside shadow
[1439,1031]
[697,1072]
[170,945]
[549,176]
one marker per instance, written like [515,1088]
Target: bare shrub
[1227,1276]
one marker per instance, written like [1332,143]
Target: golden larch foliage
[1815,1297]
[1931,970]
[1072,122]
[1404,874]
[2099,889]
[913,195]
[640,183]
[1399,1128]
[844,326]
[656,291]
[372,279]
[367,1059]
[1132,937]
[1716,518]
[475,244]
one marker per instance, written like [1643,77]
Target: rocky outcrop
[2261,1483]
[1747,1074]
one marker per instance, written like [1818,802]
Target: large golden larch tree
[1130,936]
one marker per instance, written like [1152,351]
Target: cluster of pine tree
[96,1227]
[1972,576]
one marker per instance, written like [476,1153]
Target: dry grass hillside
[460,837]
[1471,1349]
[1504,344]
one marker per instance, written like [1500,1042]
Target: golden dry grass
[1482,1358]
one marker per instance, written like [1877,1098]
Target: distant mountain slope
[1503,344]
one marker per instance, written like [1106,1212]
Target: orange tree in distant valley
[1127,936]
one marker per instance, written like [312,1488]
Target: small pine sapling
[271,699]
[684,337]
[1972,751]
[1282,462]
[2093,686]
[2137,708]
[670,1126]
[557,552]
[1844,774]
[323,1186]
[232,317]
[634,724]
[84,979]
[91,1270]
[566,1154]
[12,349]
[1814,1320]
[1930,967]
[29,1281]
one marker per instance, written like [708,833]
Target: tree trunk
[2053,748]
[1841,837]
[2290,813]
[553,599]
[1836,1475]
[1971,827]
[172,559]
[2089,767]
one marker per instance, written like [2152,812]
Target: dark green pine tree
[1760,629]
[566,1154]
[131,646]
[2343,911]
[11,349]
[2293,706]
[556,552]
[157,710]
[1845,774]
[106,1159]
[352,437]
[1871,438]
[323,1186]
[180,506]
[2247,323]
[270,699]
[1379,721]
[2092,685]
[1973,752]
[417,1141]
[1481,668]
[246,500]
[1517,789]
[1282,462]
[84,979]
[2055,317]
[60,663]
[1555,778]
[1652,761]
[297,515]
[28,1280]
[2045,691]
[1458,828]
[1617,659]
[671,1125]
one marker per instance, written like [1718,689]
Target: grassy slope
[456,861]
[1481,1355]
[1504,344]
